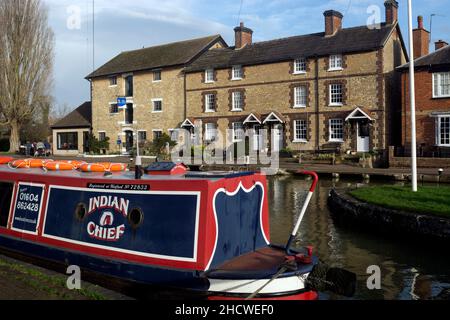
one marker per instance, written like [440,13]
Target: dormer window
[300,66]
[237,73]
[209,76]
[336,62]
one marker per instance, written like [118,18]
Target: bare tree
[26,63]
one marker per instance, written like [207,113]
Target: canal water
[410,269]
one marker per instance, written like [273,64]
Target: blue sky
[133,24]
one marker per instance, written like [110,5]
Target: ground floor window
[300,131]
[210,131]
[142,135]
[238,131]
[68,141]
[102,136]
[443,131]
[336,130]
[157,134]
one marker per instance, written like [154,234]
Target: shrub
[96,146]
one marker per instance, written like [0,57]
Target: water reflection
[410,270]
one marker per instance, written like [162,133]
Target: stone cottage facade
[333,90]
[152,85]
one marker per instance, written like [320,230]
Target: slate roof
[81,117]
[437,58]
[348,40]
[171,54]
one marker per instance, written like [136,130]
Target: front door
[257,138]
[363,136]
[277,136]
[129,141]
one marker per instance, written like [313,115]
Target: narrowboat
[204,232]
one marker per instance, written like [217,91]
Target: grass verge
[428,200]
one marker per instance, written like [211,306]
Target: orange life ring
[28,163]
[6,160]
[103,167]
[62,165]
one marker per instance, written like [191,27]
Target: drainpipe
[316,61]
[185,96]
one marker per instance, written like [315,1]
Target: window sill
[209,82]
[299,107]
[156,81]
[299,73]
[236,79]
[336,141]
[441,97]
[113,86]
[300,141]
[237,110]
[335,69]
[157,111]
[336,105]
[210,111]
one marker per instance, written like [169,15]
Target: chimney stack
[440,44]
[243,36]
[391,11]
[333,22]
[421,39]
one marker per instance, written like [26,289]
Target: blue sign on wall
[121,101]
[28,207]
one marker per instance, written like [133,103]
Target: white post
[412,93]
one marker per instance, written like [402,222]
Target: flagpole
[412,100]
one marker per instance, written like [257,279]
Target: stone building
[332,90]
[152,83]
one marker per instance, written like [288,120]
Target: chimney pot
[333,22]
[440,44]
[420,22]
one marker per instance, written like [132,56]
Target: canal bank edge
[346,209]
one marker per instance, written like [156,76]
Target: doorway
[363,136]
[129,141]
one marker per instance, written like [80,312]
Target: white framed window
[238,131]
[300,131]
[113,81]
[300,97]
[210,102]
[101,136]
[441,85]
[210,131]
[443,131]
[336,130]
[238,101]
[157,134]
[299,66]
[157,76]
[157,105]
[209,75]
[113,108]
[336,94]
[142,135]
[174,134]
[336,62]
[237,73]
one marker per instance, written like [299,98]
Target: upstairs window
[441,85]
[113,108]
[157,105]
[238,101]
[300,97]
[129,86]
[209,76]
[300,66]
[336,62]
[237,73]
[113,81]
[443,132]
[336,130]
[210,102]
[157,76]
[300,131]
[336,94]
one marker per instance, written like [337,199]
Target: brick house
[432,75]
[335,89]
[153,84]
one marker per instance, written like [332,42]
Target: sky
[134,24]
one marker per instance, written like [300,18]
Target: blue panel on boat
[167,229]
[27,207]
[161,166]
[239,223]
